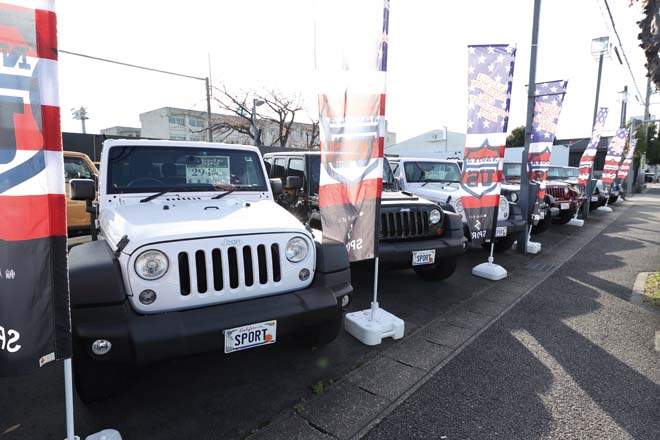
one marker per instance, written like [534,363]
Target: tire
[317,337]
[565,217]
[97,380]
[442,268]
[543,225]
[502,244]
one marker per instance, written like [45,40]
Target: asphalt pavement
[215,396]
[574,359]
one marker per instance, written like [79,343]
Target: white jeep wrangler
[194,256]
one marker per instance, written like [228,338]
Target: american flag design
[351,68]
[613,158]
[490,74]
[587,159]
[627,162]
[549,97]
[34,298]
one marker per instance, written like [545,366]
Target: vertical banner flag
[547,107]
[35,324]
[587,159]
[490,74]
[627,162]
[613,158]
[351,63]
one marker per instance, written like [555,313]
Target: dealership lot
[228,396]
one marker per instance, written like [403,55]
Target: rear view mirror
[293,182]
[83,189]
[276,186]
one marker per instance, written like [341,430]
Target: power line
[131,65]
[625,57]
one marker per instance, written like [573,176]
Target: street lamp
[257,133]
[600,48]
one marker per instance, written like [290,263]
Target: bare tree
[313,141]
[278,111]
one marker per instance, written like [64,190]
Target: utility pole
[647,116]
[81,115]
[525,193]
[208,109]
[624,106]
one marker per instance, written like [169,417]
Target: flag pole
[68,395]
[374,303]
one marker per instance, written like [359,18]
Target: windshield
[139,169]
[557,173]
[388,177]
[432,172]
[511,171]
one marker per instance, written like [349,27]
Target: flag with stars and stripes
[613,158]
[627,162]
[351,68]
[587,159]
[490,74]
[35,325]
[548,99]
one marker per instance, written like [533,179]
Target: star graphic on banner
[471,70]
[546,135]
[470,124]
[491,49]
[543,85]
[471,50]
[553,89]
[498,78]
[500,58]
[491,67]
[486,124]
[481,59]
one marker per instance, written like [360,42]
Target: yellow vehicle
[77,166]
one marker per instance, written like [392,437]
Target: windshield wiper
[153,196]
[226,193]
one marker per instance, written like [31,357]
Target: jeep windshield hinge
[121,244]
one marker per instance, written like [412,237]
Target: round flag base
[106,434]
[489,271]
[533,247]
[605,209]
[372,331]
[576,222]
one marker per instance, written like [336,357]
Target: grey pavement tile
[447,334]
[418,352]
[386,377]
[293,427]
[343,410]
[462,317]
[503,295]
[484,306]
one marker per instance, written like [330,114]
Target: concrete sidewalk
[574,359]
[354,405]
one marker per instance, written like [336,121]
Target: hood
[157,221]
[390,198]
[437,192]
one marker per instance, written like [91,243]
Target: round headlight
[504,208]
[514,197]
[434,216]
[151,265]
[296,249]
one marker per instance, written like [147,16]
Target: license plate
[594,198]
[542,214]
[423,257]
[565,206]
[500,231]
[250,336]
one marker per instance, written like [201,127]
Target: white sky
[255,44]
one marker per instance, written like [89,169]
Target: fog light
[345,301]
[303,274]
[101,347]
[147,297]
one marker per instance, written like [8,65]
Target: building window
[178,138]
[196,123]
[175,120]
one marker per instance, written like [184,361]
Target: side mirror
[83,189]
[276,186]
[294,182]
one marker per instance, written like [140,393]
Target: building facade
[435,143]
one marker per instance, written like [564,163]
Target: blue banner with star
[549,97]
[490,74]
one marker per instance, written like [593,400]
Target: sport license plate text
[565,206]
[423,257]
[500,231]
[250,336]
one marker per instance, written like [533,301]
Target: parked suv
[414,232]
[194,256]
[77,166]
[563,199]
[439,181]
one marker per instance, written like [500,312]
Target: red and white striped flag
[351,63]
[627,162]
[35,325]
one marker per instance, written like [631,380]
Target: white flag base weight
[489,270]
[576,222]
[106,434]
[533,247]
[605,209]
[372,331]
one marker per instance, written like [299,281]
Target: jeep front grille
[229,268]
[407,224]
[558,192]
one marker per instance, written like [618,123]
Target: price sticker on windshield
[212,170]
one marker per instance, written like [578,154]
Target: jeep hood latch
[121,244]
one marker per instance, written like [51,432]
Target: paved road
[574,359]
[215,396]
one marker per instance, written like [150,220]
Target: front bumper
[398,254]
[144,339]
